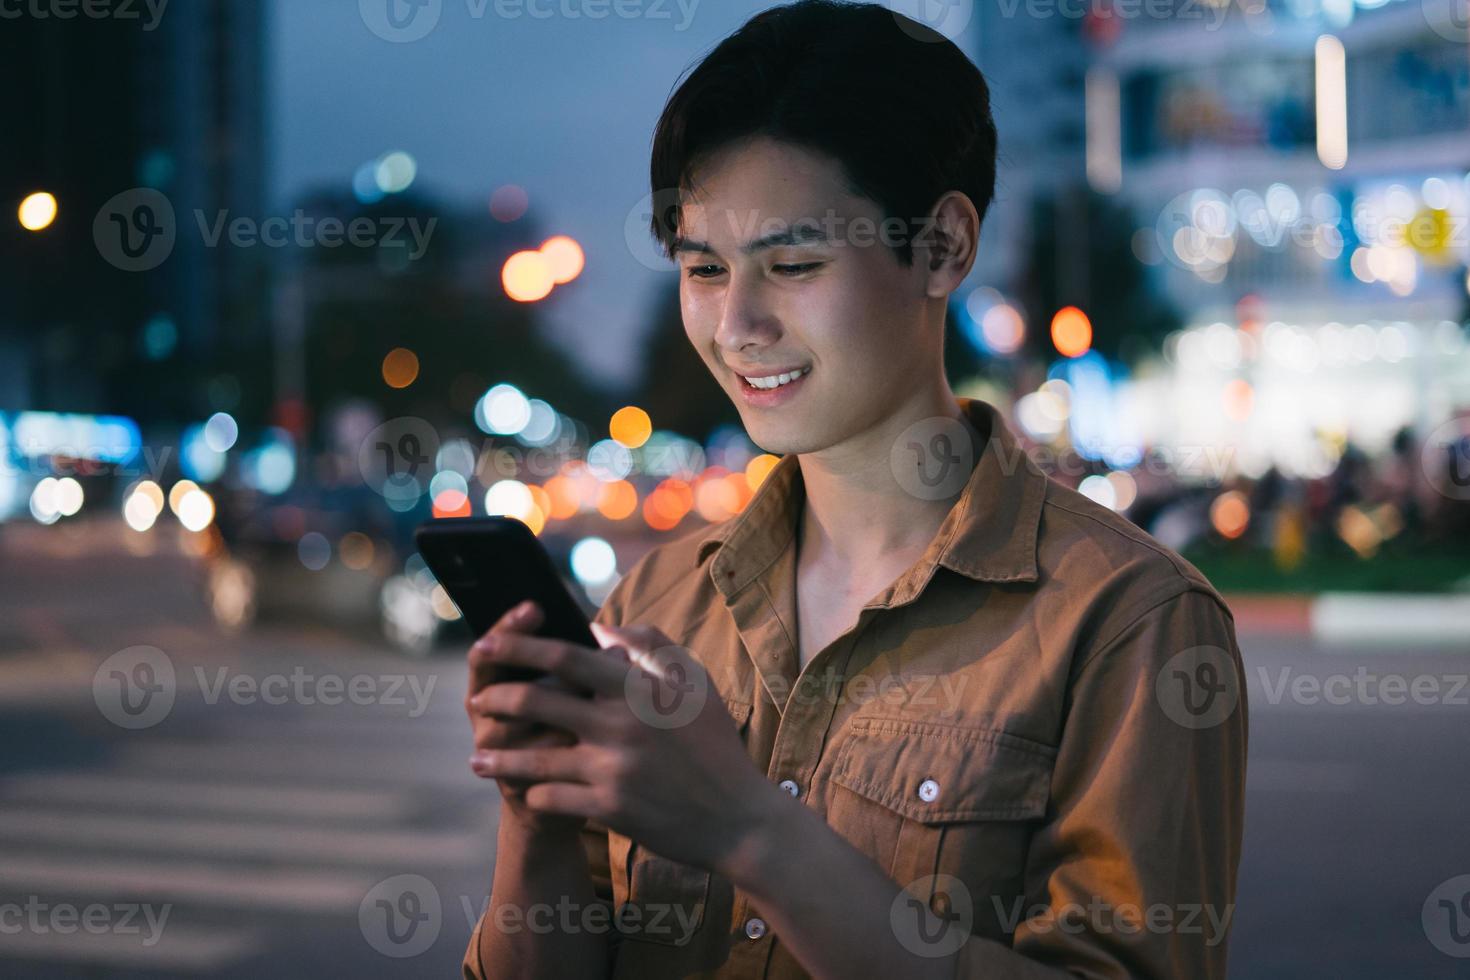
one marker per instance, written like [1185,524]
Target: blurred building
[1035,67]
[1297,177]
[175,104]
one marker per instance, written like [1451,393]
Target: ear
[947,243]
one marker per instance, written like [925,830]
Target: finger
[566,799]
[493,734]
[581,667]
[650,650]
[535,702]
[539,765]
[524,617]
[639,636]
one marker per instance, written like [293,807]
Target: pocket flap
[739,711]
[937,773]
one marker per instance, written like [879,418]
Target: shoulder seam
[1143,540]
[1147,607]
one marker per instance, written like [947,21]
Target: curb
[1395,621]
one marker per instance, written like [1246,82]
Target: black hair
[897,105]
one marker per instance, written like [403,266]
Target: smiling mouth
[770,382]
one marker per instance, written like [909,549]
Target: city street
[237,837]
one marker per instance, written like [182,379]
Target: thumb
[646,646]
[608,636]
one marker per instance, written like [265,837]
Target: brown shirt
[1039,730]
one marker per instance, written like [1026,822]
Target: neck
[856,514]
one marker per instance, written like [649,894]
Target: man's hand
[655,756]
[491,733]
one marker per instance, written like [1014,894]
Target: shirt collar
[989,535]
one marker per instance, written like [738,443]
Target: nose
[746,317]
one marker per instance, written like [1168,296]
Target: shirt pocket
[952,800]
[669,897]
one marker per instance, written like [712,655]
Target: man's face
[782,268]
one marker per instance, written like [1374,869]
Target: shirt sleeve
[1133,873]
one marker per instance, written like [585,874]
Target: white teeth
[775,380]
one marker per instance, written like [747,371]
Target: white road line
[183,948]
[234,839]
[275,889]
[446,767]
[1346,621]
[108,790]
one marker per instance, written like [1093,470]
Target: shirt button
[789,785]
[755,928]
[928,791]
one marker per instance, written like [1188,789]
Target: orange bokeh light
[630,426]
[1240,400]
[400,367]
[1230,514]
[527,277]
[451,503]
[759,468]
[562,491]
[540,498]
[1071,332]
[565,257]
[617,500]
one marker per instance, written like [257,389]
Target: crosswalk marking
[151,793]
[233,839]
[229,886]
[181,948]
[443,767]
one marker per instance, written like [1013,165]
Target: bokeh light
[509,202]
[631,426]
[400,367]
[1071,332]
[37,211]
[527,277]
[564,258]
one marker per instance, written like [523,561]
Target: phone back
[489,564]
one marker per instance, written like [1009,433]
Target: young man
[917,710]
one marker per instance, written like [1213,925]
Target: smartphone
[488,565]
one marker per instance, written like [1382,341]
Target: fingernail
[490,644]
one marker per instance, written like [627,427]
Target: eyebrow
[799,235]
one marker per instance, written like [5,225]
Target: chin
[780,439]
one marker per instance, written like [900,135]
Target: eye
[703,271]
[796,269]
